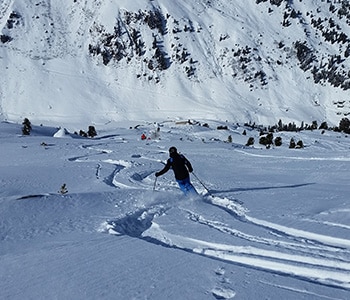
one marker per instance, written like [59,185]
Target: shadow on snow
[259,188]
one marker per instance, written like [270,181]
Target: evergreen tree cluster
[298,145]
[268,140]
[266,133]
[90,133]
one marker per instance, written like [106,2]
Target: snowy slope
[276,225]
[102,61]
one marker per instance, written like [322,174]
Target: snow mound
[61,133]
[221,293]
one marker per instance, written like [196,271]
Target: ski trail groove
[296,234]
[324,261]
[325,272]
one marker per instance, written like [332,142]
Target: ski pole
[201,183]
[154,185]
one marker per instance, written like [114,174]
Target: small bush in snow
[92,131]
[250,141]
[63,189]
[344,125]
[292,144]
[300,144]
[324,126]
[266,140]
[27,126]
[83,133]
[278,141]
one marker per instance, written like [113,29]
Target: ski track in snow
[345,159]
[328,269]
[300,254]
[300,291]
[311,257]
[329,223]
[115,179]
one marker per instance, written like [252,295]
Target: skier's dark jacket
[180,165]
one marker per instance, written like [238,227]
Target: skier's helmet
[172,150]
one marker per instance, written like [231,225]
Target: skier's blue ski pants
[186,186]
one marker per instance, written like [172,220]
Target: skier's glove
[157,174]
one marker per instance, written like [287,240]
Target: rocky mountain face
[127,41]
[256,60]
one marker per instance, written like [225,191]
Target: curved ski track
[300,254]
[288,251]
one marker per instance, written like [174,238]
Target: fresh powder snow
[268,223]
[86,218]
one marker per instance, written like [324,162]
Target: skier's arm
[165,169]
[188,165]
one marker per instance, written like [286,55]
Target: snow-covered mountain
[99,61]
[85,218]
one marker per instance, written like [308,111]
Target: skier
[181,167]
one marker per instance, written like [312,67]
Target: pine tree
[292,144]
[278,141]
[344,125]
[300,144]
[92,131]
[27,127]
[63,189]
[250,141]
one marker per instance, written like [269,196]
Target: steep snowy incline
[102,61]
